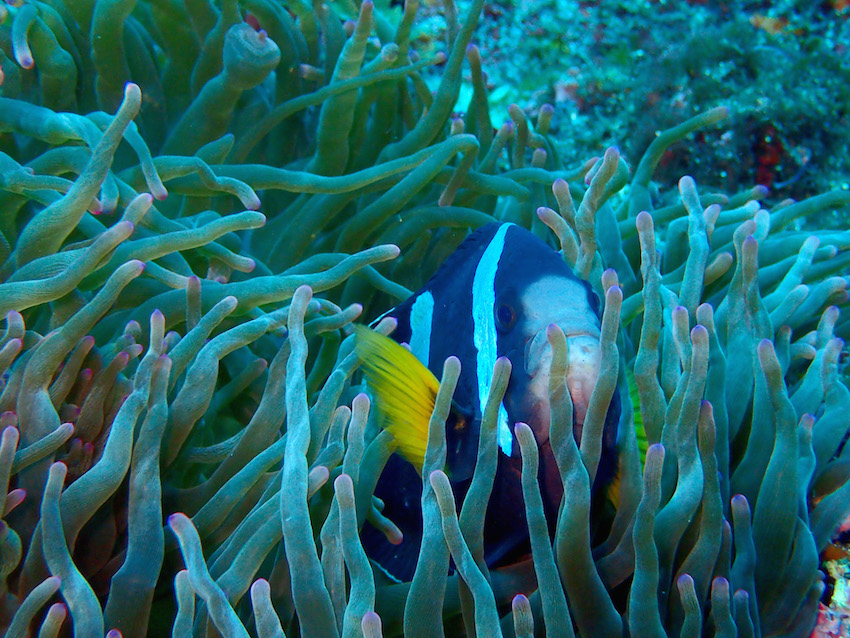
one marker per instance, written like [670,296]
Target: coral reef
[619,72]
[186,448]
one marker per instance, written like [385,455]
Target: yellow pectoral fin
[404,391]
[613,490]
[640,431]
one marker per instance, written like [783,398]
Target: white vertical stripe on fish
[421,316]
[484,328]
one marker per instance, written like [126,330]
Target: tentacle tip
[343,481]
[131,89]
[177,519]
[26,61]
[10,430]
[435,477]
[739,499]
[553,330]
[614,292]
[699,331]
[363,398]
[59,470]
[304,291]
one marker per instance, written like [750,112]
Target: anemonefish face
[533,289]
[562,301]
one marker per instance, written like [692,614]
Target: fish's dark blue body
[494,297]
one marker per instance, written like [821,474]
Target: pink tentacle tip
[132,89]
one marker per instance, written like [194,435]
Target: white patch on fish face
[484,328]
[561,301]
[421,317]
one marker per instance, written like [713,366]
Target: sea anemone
[183,422]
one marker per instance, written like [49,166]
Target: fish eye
[505,316]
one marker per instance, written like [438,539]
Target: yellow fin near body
[405,391]
[613,492]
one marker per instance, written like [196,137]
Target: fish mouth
[530,400]
[583,364]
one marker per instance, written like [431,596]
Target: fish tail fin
[404,391]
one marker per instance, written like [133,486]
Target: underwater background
[197,200]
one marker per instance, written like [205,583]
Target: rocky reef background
[616,73]
[199,198]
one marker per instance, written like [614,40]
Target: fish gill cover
[185,447]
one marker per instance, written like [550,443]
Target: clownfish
[493,297]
